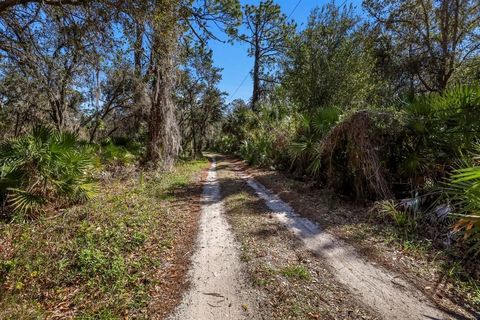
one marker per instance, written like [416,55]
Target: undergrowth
[95,261]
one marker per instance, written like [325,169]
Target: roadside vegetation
[104,107]
[111,257]
[49,169]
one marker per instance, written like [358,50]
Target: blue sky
[234,60]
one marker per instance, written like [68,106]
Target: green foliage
[260,137]
[112,154]
[256,149]
[276,135]
[306,148]
[267,32]
[44,167]
[295,271]
[118,151]
[408,148]
[388,209]
[407,32]
[328,64]
[440,127]
[464,192]
[226,143]
[403,218]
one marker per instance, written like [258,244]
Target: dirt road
[218,287]
[381,290]
[220,291]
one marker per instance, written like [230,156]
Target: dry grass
[350,153]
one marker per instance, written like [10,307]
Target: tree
[267,32]
[50,53]
[113,107]
[172,21]
[68,50]
[434,38]
[8,4]
[328,64]
[200,101]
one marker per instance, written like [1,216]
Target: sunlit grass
[100,259]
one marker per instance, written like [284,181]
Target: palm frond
[24,202]
[52,164]
[464,192]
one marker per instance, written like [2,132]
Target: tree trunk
[164,141]
[93,133]
[57,114]
[256,80]
[138,48]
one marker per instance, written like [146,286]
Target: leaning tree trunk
[164,140]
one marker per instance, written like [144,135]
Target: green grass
[100,259]
[421,247]
[295,271]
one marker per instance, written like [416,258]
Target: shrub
[404,214]
[439,127]
[377,154]
[353,158]
[464,192]
[306,148]
[369,154]
[112,154]
[44,167]
[225,143]
[257,149]
[262,137]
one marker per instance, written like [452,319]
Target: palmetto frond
[464,192]
[306,149]
[51,163]
[24,202]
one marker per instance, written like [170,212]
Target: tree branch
[7,4]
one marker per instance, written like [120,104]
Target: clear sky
[234,60]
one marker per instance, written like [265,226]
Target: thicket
[417,163]
[88,88]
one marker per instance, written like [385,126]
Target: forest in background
[383,107]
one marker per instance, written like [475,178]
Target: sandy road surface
[218,289]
